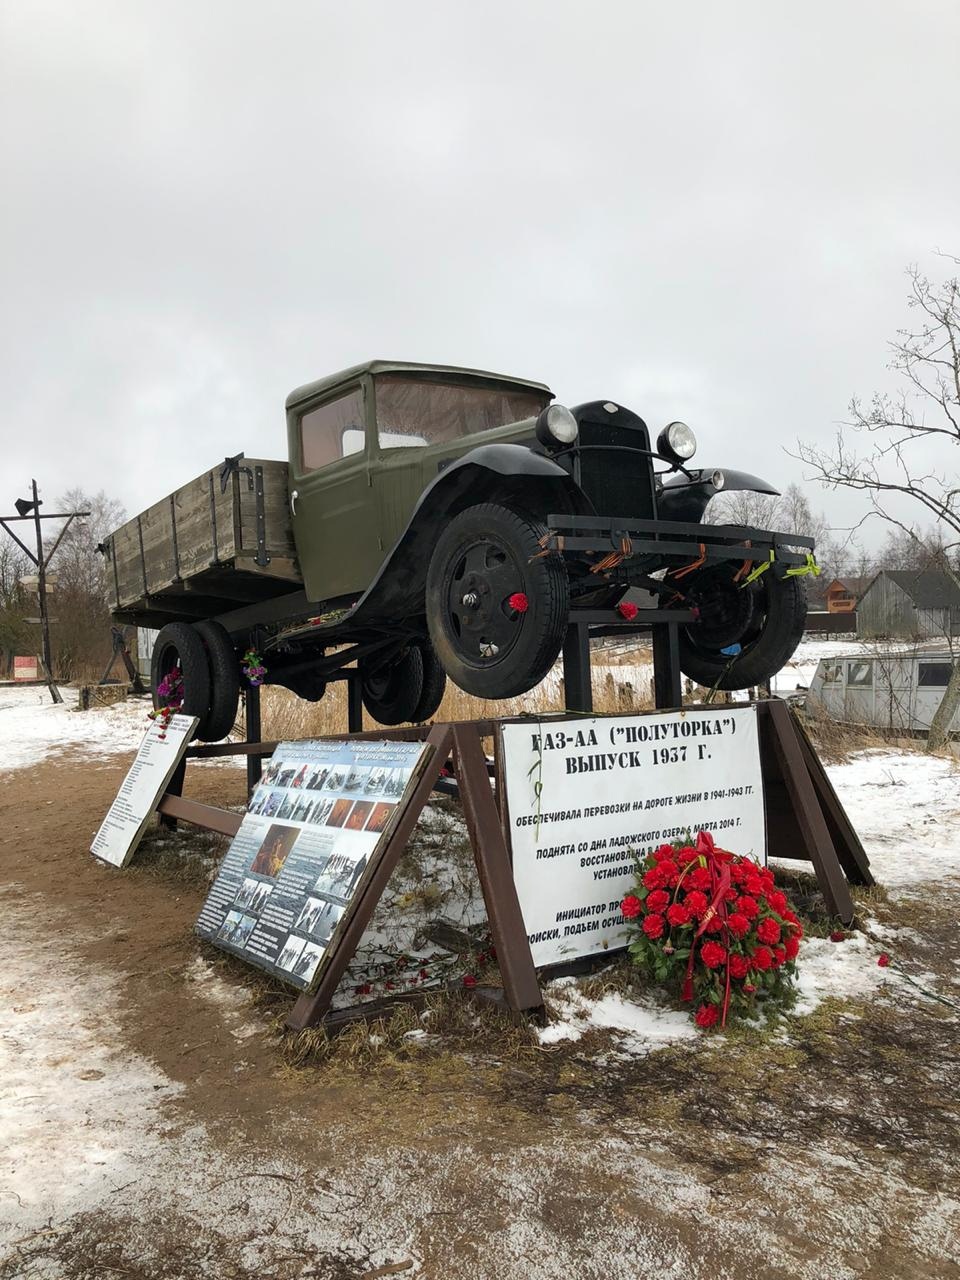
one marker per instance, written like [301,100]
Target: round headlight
[718,479]
[557,425]
[676,440]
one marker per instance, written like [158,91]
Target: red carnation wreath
[714,927]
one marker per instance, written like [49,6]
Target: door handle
[293,501]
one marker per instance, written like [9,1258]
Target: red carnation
[778,901]
[714,924]
[469,980]
[678,914]
[748,907]
[791,945]
[749,988]
[712,954]
[753,884]
[698,878]
[706,1015]
[762,958]
[665,851]
[652,879]
[653,926]
[657,901]
[669,871]
[739,966]
[696,903]
[518,602]
[768,930]
[883,960]
[627,609]
[738,924]
[779,955]
[631,906]
[838,936]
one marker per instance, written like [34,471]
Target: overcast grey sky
[703,211]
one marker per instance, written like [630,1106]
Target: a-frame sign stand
[520,985]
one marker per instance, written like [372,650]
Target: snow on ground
[905,806]
[640,1026]
[34,728]
[78,1111]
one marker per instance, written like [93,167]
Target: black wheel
[224,682]
[766,619]
[434,684]
[496,608]
[178,647]
[391,692]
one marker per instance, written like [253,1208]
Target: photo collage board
[311,835]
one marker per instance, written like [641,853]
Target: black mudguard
[512,474]
[686,497]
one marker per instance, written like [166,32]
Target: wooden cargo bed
[222,541]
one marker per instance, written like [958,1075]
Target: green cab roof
[313,390]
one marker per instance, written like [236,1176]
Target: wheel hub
[726,611]
[480,587]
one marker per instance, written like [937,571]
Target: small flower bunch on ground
[252,667]
[170,697]
[713,928]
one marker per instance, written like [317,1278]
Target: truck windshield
[420,413]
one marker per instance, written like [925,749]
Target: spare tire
[178,645]
[767,625]
[224,682]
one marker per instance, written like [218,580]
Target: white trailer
[895,689]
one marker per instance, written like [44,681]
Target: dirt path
[152,1127]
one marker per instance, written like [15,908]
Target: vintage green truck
[433,521]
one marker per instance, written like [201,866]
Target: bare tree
[82,634]
[907,464]
[14,630]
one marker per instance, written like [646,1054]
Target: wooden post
[667,690]
[520,985]
[354,703]
[576,668]
[802,815]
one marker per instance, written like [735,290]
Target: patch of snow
[640,1027]
[835,969]
[231,999]
[79,1113]
[905,806]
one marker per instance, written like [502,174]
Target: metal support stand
[252,725]
[354,703]
[576,668]
[667,688]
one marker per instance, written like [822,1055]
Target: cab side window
[332,431]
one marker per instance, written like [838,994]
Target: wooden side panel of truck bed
[222,540]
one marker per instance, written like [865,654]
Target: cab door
[335,521]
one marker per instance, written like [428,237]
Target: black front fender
[511,474]
[686,498]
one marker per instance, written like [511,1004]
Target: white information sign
[586,797]
[146,781]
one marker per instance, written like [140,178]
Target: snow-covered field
[34,727]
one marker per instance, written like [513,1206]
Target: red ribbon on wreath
[719,884]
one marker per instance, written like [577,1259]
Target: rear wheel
[224,682]
[434,684]
[391,691]
[496,607]
[180,660]
[765,619]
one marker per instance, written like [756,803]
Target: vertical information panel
[586,797]
[311,836]
[147,778]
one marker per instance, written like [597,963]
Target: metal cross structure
[42,560]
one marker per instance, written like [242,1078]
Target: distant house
[909,604]
[839,597]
